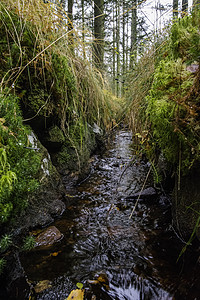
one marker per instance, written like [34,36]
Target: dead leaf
[42,285]
[103,278]
[76,295]
[2,121]
[55,253]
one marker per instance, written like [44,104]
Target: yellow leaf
[2,120]
[70,196]
[138,135]
[76,295]
[79,285]
[55,253]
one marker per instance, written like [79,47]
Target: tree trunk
[83,27]
[184,7]
[117,45]
[175,9]
[98,33]
[133,33]
[127,45]
[70,13]
[123,46]
[114,52]
[70,23]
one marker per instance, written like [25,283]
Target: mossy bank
[164,115]
[50,89]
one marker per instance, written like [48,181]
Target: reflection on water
[138,255]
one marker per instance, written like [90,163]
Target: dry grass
[140,82]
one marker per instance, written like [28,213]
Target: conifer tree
[70,22]
[133,32]
[175,9]
[118,42]
[98,56]
[184,7]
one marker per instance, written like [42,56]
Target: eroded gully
[135,256]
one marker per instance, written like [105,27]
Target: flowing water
[112,255]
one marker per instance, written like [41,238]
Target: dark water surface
[137,256]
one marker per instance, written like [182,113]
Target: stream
[112,255]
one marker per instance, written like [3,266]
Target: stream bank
[46,204]
[137,256]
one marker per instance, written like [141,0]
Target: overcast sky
[155,17]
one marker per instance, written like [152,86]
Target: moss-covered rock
[28,179]
[18,158]
[46,202]
[53,139]
[75,151]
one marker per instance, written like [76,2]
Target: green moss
[77,148]
[185,42]
[2,265]
[21,162]
[168,113]
[64,157]
[56,135]
[38,100]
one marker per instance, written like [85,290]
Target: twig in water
[117,185]
[140,192]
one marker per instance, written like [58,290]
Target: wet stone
[146,194]
[48,237]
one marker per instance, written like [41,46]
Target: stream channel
[112,255]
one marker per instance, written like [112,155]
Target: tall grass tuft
[39,56]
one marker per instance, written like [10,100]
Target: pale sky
[149,12]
